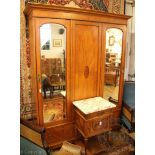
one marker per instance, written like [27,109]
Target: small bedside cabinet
[93,116]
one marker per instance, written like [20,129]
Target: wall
[130,51]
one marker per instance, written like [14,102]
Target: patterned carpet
[120,143]
[53,109]
[110,143]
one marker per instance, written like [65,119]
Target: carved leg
[85,143]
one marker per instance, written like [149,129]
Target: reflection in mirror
[112,63]
[53,50]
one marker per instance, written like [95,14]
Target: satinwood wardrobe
[76,54]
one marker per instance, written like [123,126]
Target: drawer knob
[100,123]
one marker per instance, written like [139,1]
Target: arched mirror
[53,71]
[112,63]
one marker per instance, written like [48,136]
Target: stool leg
[85,143]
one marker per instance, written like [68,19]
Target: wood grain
[85,60]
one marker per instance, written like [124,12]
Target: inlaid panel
[86,44]
[57,134]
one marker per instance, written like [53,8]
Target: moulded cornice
[29,7]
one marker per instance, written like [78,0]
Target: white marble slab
[91,105]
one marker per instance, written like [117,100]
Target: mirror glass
[112,63]
[53,75]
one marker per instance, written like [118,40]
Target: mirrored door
[112,64]
[53,71]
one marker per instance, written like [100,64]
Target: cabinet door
[113,61]
[52,56]
[85,59]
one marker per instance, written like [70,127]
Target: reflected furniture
[85,48]
[47,86]
[52,68]
[111,75]
[128,108]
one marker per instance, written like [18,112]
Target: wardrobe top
[52,11]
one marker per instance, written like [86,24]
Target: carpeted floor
[119,143]
[116,143]
[53,109]
[110,143]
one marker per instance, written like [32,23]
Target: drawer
[100,124]
[97,125]
[93,125]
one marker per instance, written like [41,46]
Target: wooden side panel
[115,119]
[33,68]
[86,50]
[57,134]
[31,135]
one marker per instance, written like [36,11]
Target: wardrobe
[70,61]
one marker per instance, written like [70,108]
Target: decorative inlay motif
[86,72]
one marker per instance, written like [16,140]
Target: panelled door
[86,50]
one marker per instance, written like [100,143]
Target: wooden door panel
[86,54]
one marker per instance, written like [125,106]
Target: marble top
[91,105]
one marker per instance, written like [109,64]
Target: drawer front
[100,124]
[97,125]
